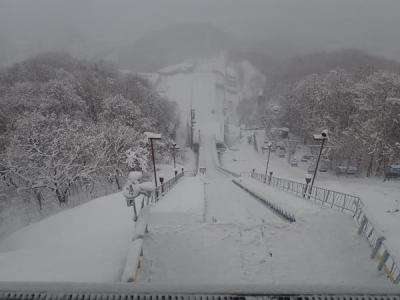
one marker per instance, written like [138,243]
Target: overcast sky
[33,25]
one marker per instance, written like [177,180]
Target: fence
[275,208]
[81,192]
[155,195]
[330,198]
[192,173]
[348,204]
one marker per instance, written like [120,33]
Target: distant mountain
[173,45]
[356,62]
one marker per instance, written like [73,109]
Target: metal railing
[155,195]
[192,173]
[330,198]
[153,291]
[287,216]
[81,192]
[345,203]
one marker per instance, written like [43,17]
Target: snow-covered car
[392,171]
[349,170]
[280,144]
[322,167]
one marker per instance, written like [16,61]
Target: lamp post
[308,179]
[174,148]
[161,177]
[266,168]
[153,136]
[319,137]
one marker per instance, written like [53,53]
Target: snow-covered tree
[52,152]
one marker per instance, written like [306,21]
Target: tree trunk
[60,196]
[369,170]
[117,182]
[39,198]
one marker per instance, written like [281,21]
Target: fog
[96,29]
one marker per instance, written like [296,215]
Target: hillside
[356,62]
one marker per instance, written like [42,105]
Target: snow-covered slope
[85,244]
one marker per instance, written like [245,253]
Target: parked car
[343,169]
[306,157]
[323,166]
[392,171]
[294,162]
[280,144]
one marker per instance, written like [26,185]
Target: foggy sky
[89,27]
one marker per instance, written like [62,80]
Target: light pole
[266,168]
[153,136]
[319,137]
[174,147]
[308,179]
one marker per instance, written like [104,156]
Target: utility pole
[266,168]
[153,136]
[174,148]
[154,163]
[319,137]
[192,123]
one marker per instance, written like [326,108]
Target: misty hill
[173,45]
[356,62]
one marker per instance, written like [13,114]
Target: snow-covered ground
[382,198]
[205,230]
[208,230]
[87,243]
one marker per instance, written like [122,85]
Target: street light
[174,147]
[319,137]
[266,168]
[308,179]
[153,136]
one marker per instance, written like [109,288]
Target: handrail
[154,195]
[105,290]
